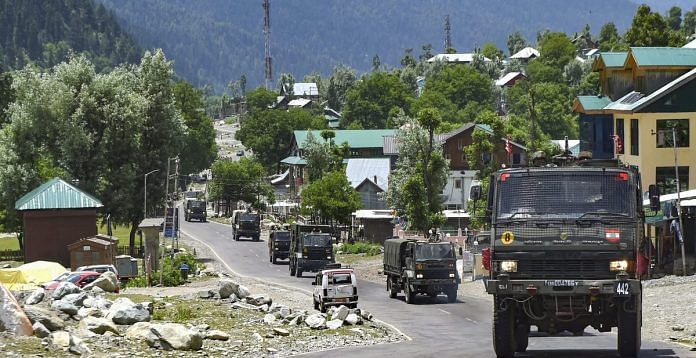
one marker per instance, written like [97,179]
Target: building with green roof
[55,215]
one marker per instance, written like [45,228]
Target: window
[457,183]
[664,132]
[620,133]
[665,179]
[634,136]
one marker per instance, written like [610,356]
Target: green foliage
[199,149]
[6,96]
[492,52]
[609,37]
[461,85]
[370,101]
[342,79]
[479,153]
[324,156]
[556,49]
[361,247]
[183,313]
[331,197]
[515,42]
[674,18]
[239,181]
[689,23]
[260,99]
[650,29]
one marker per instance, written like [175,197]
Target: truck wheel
[273,258]
[629,322]
[521,337]
[298,272]
[316,304]
[322,308]
[390,287]
[452,294]
[503,330]
[292,269]
[256,238]
[410,295]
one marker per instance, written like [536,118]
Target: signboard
[171,223]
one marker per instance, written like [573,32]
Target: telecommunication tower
[448,35]
[267,43]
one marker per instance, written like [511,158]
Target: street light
[145,193]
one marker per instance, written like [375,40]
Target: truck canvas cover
[393,252]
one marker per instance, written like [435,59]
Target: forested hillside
[217,41]
[46,31]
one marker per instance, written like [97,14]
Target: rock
[77,346]
[340,313]
[96,290]
[238,305]
[178,336]
[12,317]
[334,324]
[40,330]
[677,328]
[76,299]
[89,312]
[143,331]
[97,302]
[315,321]
[295,321]
[206,294]
[357,331]
[6,266]
[269,319]
[124,311]
[217,335]
[98,325]
[281,332]
[107,282]
[149,306]
[65,307]
[366,315]
[202,327]
[61,339]
[35,297]
[45,317]
[242,292]
[353,319]
[65,288]
[227,288]
[259,300]
[257,337]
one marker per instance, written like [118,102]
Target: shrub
[366,248]
[171,276]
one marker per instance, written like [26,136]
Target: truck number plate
[341,300]
[622,289]
[561,283]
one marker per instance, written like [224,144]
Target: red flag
[508,145]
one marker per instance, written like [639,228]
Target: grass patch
[367,248]
[9,243]
[121,232]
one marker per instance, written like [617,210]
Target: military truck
[564,239]
[278,245]
[246,224]
[311,248]
[195,209]
[417,266]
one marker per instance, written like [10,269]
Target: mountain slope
[45,32]
[215,41]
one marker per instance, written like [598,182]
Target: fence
[138,252]
[11,255]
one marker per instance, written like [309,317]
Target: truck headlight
[620,265]
[508,266]
[420,275]
[452,275]
[328,257]
[299,255]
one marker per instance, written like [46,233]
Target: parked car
[58,278]
[335,287]
[81,279]
[98,268]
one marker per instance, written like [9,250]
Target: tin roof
[294,161]
[56,194]
[305,89]
[456,57]
[613,59]
[664,56]
[359,138]
[593,103]
[526,53]
[359,169]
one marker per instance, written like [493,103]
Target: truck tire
[316,304]
[452,294]
[322,308]
[521,337]
[298,272]
[391,288]
[273,258]
[503,330]
[256,237]
[629,327]
[292,269]
[409,294]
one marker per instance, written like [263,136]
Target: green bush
[366,248]
[171,276]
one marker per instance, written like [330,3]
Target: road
[436,328]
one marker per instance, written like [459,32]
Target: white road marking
[443,311]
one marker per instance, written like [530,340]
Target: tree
[342,79]
[239,181]
[368,103]
[462,85]
[408,59]
[260,99]
[689,25]
[286,84]
[427,52]
[609,37]
[331,197]
[492,52]
[647,29]
[674,18]
[556,49]
[6,96]
[324,156]
[376,63]
[199,148]
[516,42]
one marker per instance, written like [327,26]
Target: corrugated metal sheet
[56,194]
[526,53]
[456,57]
[362,138]
[613,59]
[359,169]
[664,56]
[390,146]
[590,103]
[294,161]
[305,89]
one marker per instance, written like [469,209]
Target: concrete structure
[55,215]
[151,228]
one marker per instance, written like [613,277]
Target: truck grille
[545,268]
[317,254]
[436,274]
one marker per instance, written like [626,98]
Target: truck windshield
[565,194]
[249,217]
[197,204]
[316,240]
[433,251]
[281,236]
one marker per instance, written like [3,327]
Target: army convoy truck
[564,241]
[416,266]
[311,248]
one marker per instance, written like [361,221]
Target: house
[333,117]
[300,103]
[509,79]
[95,250]
[691,44]
[526,54]
[369,177]
[645,92]
[465,58]
[55,215]
[456,191]
[308,90]
[373,225]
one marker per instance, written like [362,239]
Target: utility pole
[448,33]
[679,211]
[175,213]
[268,62]
[166,213]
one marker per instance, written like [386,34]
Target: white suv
[335,287]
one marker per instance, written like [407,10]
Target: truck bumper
[565,287]
[341,302]
[312,265]
[434,282]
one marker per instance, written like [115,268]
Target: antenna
[448,33]
[267,43]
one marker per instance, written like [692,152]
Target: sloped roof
[56,194]
[305,89]
[612,59]
[356,138]
[359,169]
[299,102]
[456,57]
[525,53]
[691,44]
[294,161]
[484,127]
[502,81]
[664,56]
[593,103]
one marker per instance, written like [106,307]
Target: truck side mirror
[475,192]
[654,194]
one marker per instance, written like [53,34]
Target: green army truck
[416,266]
[311,248]
[564,240]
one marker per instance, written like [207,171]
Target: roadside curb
[272,283]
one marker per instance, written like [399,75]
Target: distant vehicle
[195,209]
[240,153]
[311,248]
[335,287]
[80,279]
[98,268]
[247,224]
[416,266]
[278,245]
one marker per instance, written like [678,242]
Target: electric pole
[267,43]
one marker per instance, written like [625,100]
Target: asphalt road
[436,328]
